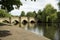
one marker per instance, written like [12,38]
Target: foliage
[34,13]
[22,13]
[31,14]
[49,9]
[58,14]
[39,14]
[31,0]
[53,17]
[8,4]
[49,12]
[59,5]
[34,0]
[3,13]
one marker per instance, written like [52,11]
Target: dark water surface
[50,30]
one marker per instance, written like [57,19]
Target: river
[49,30]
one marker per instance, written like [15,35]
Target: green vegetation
[31,0]
[34,14]
[31,14]
[4,13]
[59,5]
[8,4]
[49,31]
[49,14]
[22,13]
[58,14]
[39,15]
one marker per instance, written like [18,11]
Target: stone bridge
[19,19]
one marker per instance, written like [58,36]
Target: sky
[34,6]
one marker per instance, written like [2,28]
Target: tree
[31,14]
[34,0]
[8,4]
[49,9]
[59,4]
[22,13]
[53,17]
[58,14]
[39,14]
[31,0]
[47,12]
[34,13]
[4,13]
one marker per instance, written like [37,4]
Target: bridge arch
[31,20]
[24,19]
[19,19]
[14,19]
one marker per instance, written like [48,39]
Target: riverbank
[9,32]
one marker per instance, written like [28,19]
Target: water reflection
[57,35]
[51,31]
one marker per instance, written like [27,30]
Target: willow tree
[58,14]
[8,4]
[47,12]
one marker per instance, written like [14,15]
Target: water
[51,31]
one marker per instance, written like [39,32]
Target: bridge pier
[19,21]
[10,20]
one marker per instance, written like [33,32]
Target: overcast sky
[34,6]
